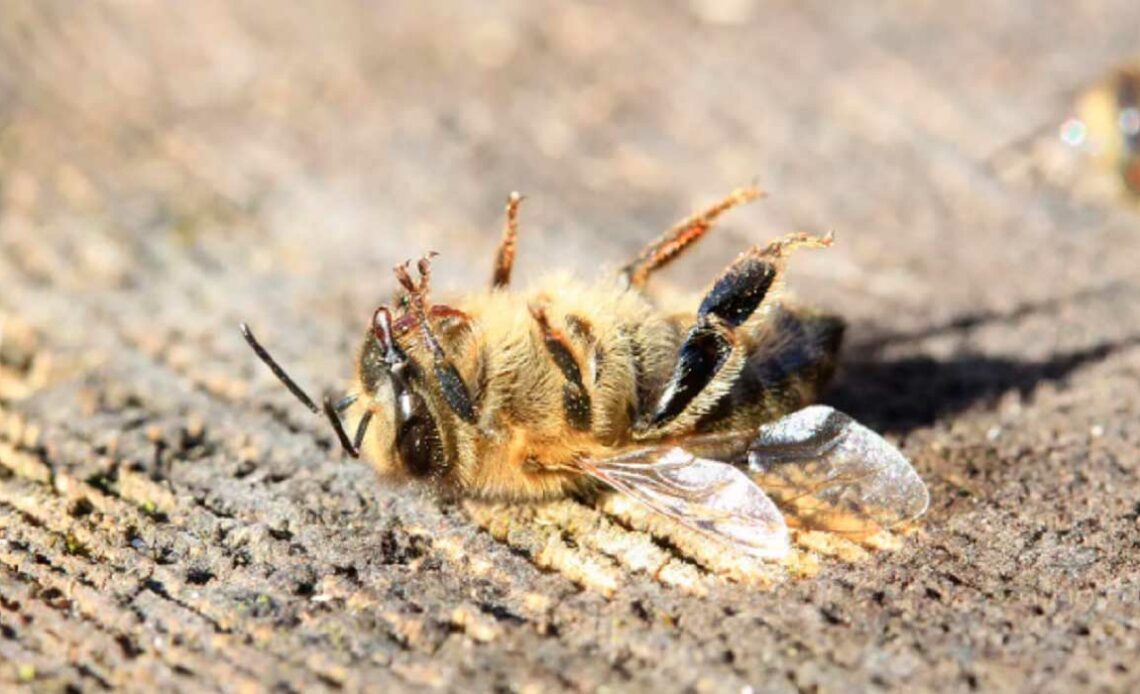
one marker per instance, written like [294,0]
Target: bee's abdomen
[793,360]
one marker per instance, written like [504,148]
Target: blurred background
[168,169]
[316,147]
[184,166]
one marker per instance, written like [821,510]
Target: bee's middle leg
[505,255]
[712,355]
[683,234]
[577,400]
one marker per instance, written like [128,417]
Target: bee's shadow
[906,393]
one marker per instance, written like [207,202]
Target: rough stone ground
[169,516]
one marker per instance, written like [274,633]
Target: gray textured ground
[168,515]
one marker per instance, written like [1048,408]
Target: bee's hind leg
[683,234]
[711,356]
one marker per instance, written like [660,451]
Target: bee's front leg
[455,391]
[712,356]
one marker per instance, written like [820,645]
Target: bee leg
[505,256]
[451,384]
[790,360]
[711,356]
[450,317]
[576,401]
[709,352]
[683,234]
[417,291]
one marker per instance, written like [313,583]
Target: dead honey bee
[1107,125]
[585,388]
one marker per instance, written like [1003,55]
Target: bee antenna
[361,428]
[331,410]
[278,371]
[351,448]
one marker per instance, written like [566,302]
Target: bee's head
[404,432]
[412,403]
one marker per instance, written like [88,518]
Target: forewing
[828,471]
[704,495]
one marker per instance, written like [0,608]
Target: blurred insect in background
[1107,125]
[577,389]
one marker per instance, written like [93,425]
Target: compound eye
[384,331]
[382,328]
[418,443]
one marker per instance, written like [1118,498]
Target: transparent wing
[828,471]
[713,498]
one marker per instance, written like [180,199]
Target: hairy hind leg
[505,256]
[683,234]
[712,355]
[791,358]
